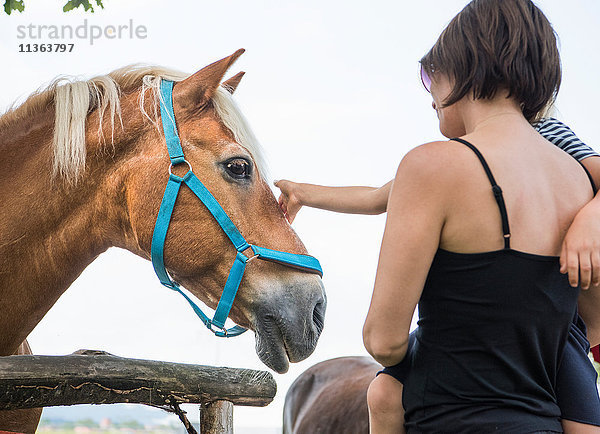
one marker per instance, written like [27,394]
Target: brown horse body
[23,421]
[106,192]
[330,398]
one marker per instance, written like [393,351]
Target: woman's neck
[480,114]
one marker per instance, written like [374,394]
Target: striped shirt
[562,136]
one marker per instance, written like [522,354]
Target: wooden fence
[95,377]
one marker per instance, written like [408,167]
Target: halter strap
[168,121]
[495,189]
[163,220]
[157,255]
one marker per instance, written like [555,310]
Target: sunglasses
[425,79]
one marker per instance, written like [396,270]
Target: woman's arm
[352,200]
[416,214]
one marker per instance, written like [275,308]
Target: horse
[84,166]
[330,397]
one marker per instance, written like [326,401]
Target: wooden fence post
[216,417]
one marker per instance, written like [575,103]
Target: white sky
[333,93]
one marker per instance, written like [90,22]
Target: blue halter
[217,323]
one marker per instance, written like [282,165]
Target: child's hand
[580,255]
[289,201]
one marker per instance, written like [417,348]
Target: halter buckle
[184,161]
[223,331]
[217,329]
[249,258]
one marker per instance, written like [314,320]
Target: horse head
[284,306]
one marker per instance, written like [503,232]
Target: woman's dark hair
[499,44]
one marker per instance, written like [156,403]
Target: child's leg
[571,427]
[384,397]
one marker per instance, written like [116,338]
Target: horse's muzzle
[289,324]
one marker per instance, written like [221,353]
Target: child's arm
[580,255]
[562,136]
[351,200]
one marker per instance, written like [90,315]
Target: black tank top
[492,328]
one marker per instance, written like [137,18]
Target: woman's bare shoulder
[440,161]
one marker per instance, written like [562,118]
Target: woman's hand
[580,255]
[289,199]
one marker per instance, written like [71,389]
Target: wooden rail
[92,377]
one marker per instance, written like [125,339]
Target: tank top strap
[495,189]
[594,189]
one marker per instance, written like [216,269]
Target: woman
[486,356]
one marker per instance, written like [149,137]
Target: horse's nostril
[319,315]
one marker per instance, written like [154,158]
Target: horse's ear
[231,84]
[200,87]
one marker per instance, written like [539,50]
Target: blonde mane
[75,99]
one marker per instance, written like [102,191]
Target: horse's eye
[238,168]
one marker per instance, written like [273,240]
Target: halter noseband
[217,323]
